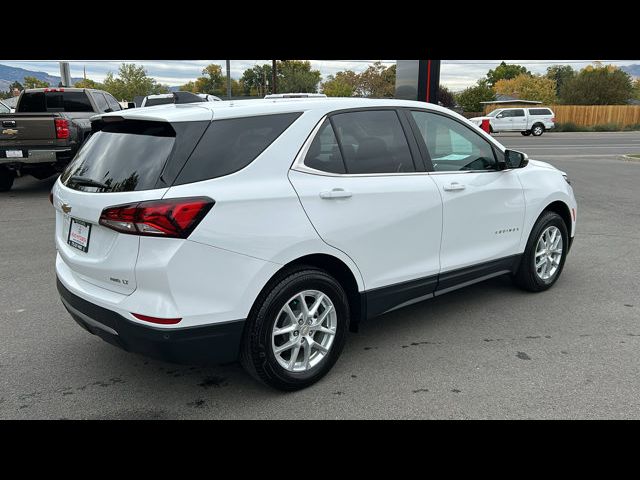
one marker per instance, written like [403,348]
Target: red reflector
[174,217]
[163,321]
[62,127]
[553,119]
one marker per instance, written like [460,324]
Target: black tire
[6,179]
[537,129]
[256,352]
[490,129]
[526,133]
[526,276]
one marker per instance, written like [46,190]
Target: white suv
[265,230]
[528,121]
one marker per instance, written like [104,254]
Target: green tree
[132,80]
[88,83]
[296,76]
[6,94]
[446,97]
[33,82]
[598,85]
[17,85]
[257,80]
[342,84]
[528,87]
[561,74]
[505,71]
[377,81]
[469,99]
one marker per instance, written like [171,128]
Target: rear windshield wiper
[88,182]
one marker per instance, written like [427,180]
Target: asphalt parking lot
[487,351]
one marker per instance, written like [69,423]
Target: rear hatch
[25,130]
[125,162]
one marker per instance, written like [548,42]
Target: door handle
[335,193]
[454,187]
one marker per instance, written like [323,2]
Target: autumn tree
[377,81]
[88,83]
[446,97]
[212,81]
[505,71]
[528,87]
[342,84]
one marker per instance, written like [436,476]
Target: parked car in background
[4,108]
[268,230]
[177,97]
[528,121]
[47,129]
[11,102]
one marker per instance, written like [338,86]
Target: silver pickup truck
[47,129]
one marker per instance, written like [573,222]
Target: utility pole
[273,72]
[228,79]
[65,74]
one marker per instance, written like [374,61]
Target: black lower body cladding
[211,344]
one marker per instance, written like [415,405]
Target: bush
[635,126]
[570,127]
[607,127]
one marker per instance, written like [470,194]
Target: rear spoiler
[187,97]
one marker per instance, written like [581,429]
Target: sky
[455,74]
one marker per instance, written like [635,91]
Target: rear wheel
[544,256]
[6,179]
[296,330]
[526,133]
[537,129]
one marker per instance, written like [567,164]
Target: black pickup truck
[47,129]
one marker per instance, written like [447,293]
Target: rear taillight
[173,218]
[553,119]
[62,128]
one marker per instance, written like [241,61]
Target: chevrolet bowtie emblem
[65,208]
[9,131]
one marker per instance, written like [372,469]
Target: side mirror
[515,159]
[499,115]
[131,105]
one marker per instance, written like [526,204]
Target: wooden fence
[588,115]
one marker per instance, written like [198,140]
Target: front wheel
[6,179]
[545,253]
[537,130]
[296,330]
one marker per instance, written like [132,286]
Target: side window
[518,113]
[451,145]
[507,113]
[101,103]
[229,145]
[324,153]
[372,141]
[113,103]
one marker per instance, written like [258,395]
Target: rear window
[54,102]
[230,145]
[540,111]
[124,156]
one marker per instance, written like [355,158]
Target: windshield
[494,113]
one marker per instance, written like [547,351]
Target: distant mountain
[633,70]
[8,75]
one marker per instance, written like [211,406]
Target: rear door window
[230,145]
[54,102]
[123,156]
[518,113]
[372,141]
[101,102]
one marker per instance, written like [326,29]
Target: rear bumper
[210,344]
[33,156]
